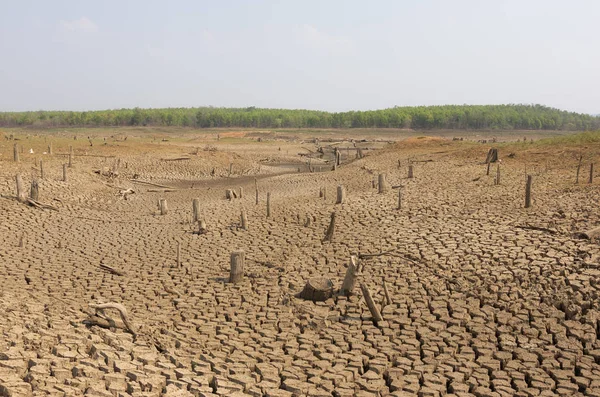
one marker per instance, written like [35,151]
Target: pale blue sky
[329,55]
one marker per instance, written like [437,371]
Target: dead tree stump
[528,192]
[370,303]
[237,267]
[578,168]
[410,171]
[21,196]
[244,220]
[399,198]
[50,148]
[178,254]
[492,156]
[591,180]
[201,227]
[341,194]
[241,195]
[382,184]
[163,207]
[350,278]
[70,156]
[34,191]
[230,194]
[196,209]
[330,229]
[317,289]
[498,174]
[41,169]
[16,153]
[64,172]
[268,204]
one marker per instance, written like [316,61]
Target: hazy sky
[330,55]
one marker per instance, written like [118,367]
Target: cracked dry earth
[481,304]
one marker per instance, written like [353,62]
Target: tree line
[460,117]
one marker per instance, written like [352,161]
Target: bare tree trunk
[341,194]
[268,204]
[237,266]
[350,278]
[196,210]
[41,169]
[64,172]
[20,190]
[16,153]
[410,171]
[578,168]
[34,191]
[591,180]
[528,192]
[244,220]
[382,184]
[163,207]
[330,229]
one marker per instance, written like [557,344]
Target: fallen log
[177,159]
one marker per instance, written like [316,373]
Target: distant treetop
[481,117]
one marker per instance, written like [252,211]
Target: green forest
[460,117]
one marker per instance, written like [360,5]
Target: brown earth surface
[487,298]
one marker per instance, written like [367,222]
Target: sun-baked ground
[487,298]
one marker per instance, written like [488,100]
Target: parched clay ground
[482,303]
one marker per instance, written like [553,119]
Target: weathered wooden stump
[528,191]
[237,266]
[34,191]
[492,156]
[330,229]
[341,194]
[21,196]
[70,156]
[230,194]
[268,204]
[64,172]
[50,149]
[244,220]
[41,169]
[201,227]
[163,207]
[498,174]
[196,209]
[16,153]
[350,277]
[591,180]
[578,169]
[410,171]
[317,289]
[241,195]
[399,198]
[382,184]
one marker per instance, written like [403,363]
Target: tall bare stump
[241,195]
[591,180]
[21,196]
[178,254]
[382,184]
[330,229]
[41,169]
[237,267]
[498,174]
[578,168]
[399,198]
[256,190]
[492,156]
[34,191]
[350,278]
[528,192]
[410,171]
[244,220]
[370,303]
[16,153]
[64,172]
[163,207]
[196,209]
[70,156]
[50,148]
[268,204]
[341,194]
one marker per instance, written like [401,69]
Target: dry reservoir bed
[485,297]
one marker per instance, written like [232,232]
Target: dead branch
[111,270]
[120,308]
[538,228]
[150,183]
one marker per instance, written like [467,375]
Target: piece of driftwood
[538,228]
[161,190]
[388,300]
[317,289]
[350,277]
[150,183]
[126,192]
[122,312]
[111,270]
[370,303]
[177,159]
[591,234]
